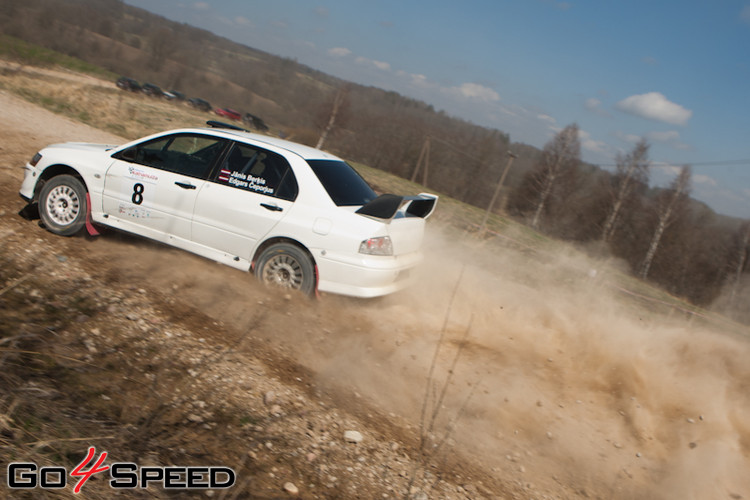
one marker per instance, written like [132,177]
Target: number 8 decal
[137,197]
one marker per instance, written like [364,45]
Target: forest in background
[664,235]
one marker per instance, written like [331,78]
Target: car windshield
[343,184]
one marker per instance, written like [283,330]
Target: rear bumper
[366,276]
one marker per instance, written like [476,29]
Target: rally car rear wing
[389,206]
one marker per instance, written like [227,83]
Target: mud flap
[89,226]
[316,291]
[30,211]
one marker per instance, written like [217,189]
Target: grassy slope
[97,102]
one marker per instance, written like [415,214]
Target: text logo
[122,475]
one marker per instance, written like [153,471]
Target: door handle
[272,208]
[185,185]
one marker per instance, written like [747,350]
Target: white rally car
[296,216]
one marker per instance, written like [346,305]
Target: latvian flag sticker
[224,175]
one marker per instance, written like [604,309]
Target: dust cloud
[577,384]
[563,384]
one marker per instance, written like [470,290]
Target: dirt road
[547,383]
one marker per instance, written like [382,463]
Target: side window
[258,170]
[186,154]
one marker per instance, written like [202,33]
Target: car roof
[306,152]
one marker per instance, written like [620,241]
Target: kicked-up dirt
[499,375]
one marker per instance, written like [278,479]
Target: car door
[250,192]
[151,187]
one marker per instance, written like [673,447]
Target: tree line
[664,236]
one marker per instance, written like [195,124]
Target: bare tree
[162,44]
[338,102]
[423,162]
[631,168]
[561,155]
[677,192]
[742,255]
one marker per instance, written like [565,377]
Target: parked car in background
[255,121]
[228,113]
[297,217]
[126,83]
[152,90]
[173,95]
[199,103]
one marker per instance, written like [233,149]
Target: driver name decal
[240,180]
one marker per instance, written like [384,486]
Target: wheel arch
[54,171]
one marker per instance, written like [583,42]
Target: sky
[675,72]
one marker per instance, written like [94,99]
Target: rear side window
[343,184]
[257,170]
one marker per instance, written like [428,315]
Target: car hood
[83,146]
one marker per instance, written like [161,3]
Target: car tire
[286,266]
[62,205]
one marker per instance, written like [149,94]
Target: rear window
[343,184]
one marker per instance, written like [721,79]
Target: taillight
[377,246]
[35,159]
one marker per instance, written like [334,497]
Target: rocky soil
[94,355]
[548,381]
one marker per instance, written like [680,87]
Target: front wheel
[286,266]
[62,205]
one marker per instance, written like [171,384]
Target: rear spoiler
[388,206]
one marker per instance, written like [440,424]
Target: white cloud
[745,14]
[668,137]
[509,111]
[593,103]
[419,80]
[595,106]
[547,118]
[339,52]
[704,180]
[655,106]
[475,92]
[242,21]
[631,138]
[588,142]
[383,66]
[201,6]
[665,136]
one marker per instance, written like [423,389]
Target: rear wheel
[286,266]
[62,205]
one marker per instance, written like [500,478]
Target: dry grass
[100,103]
